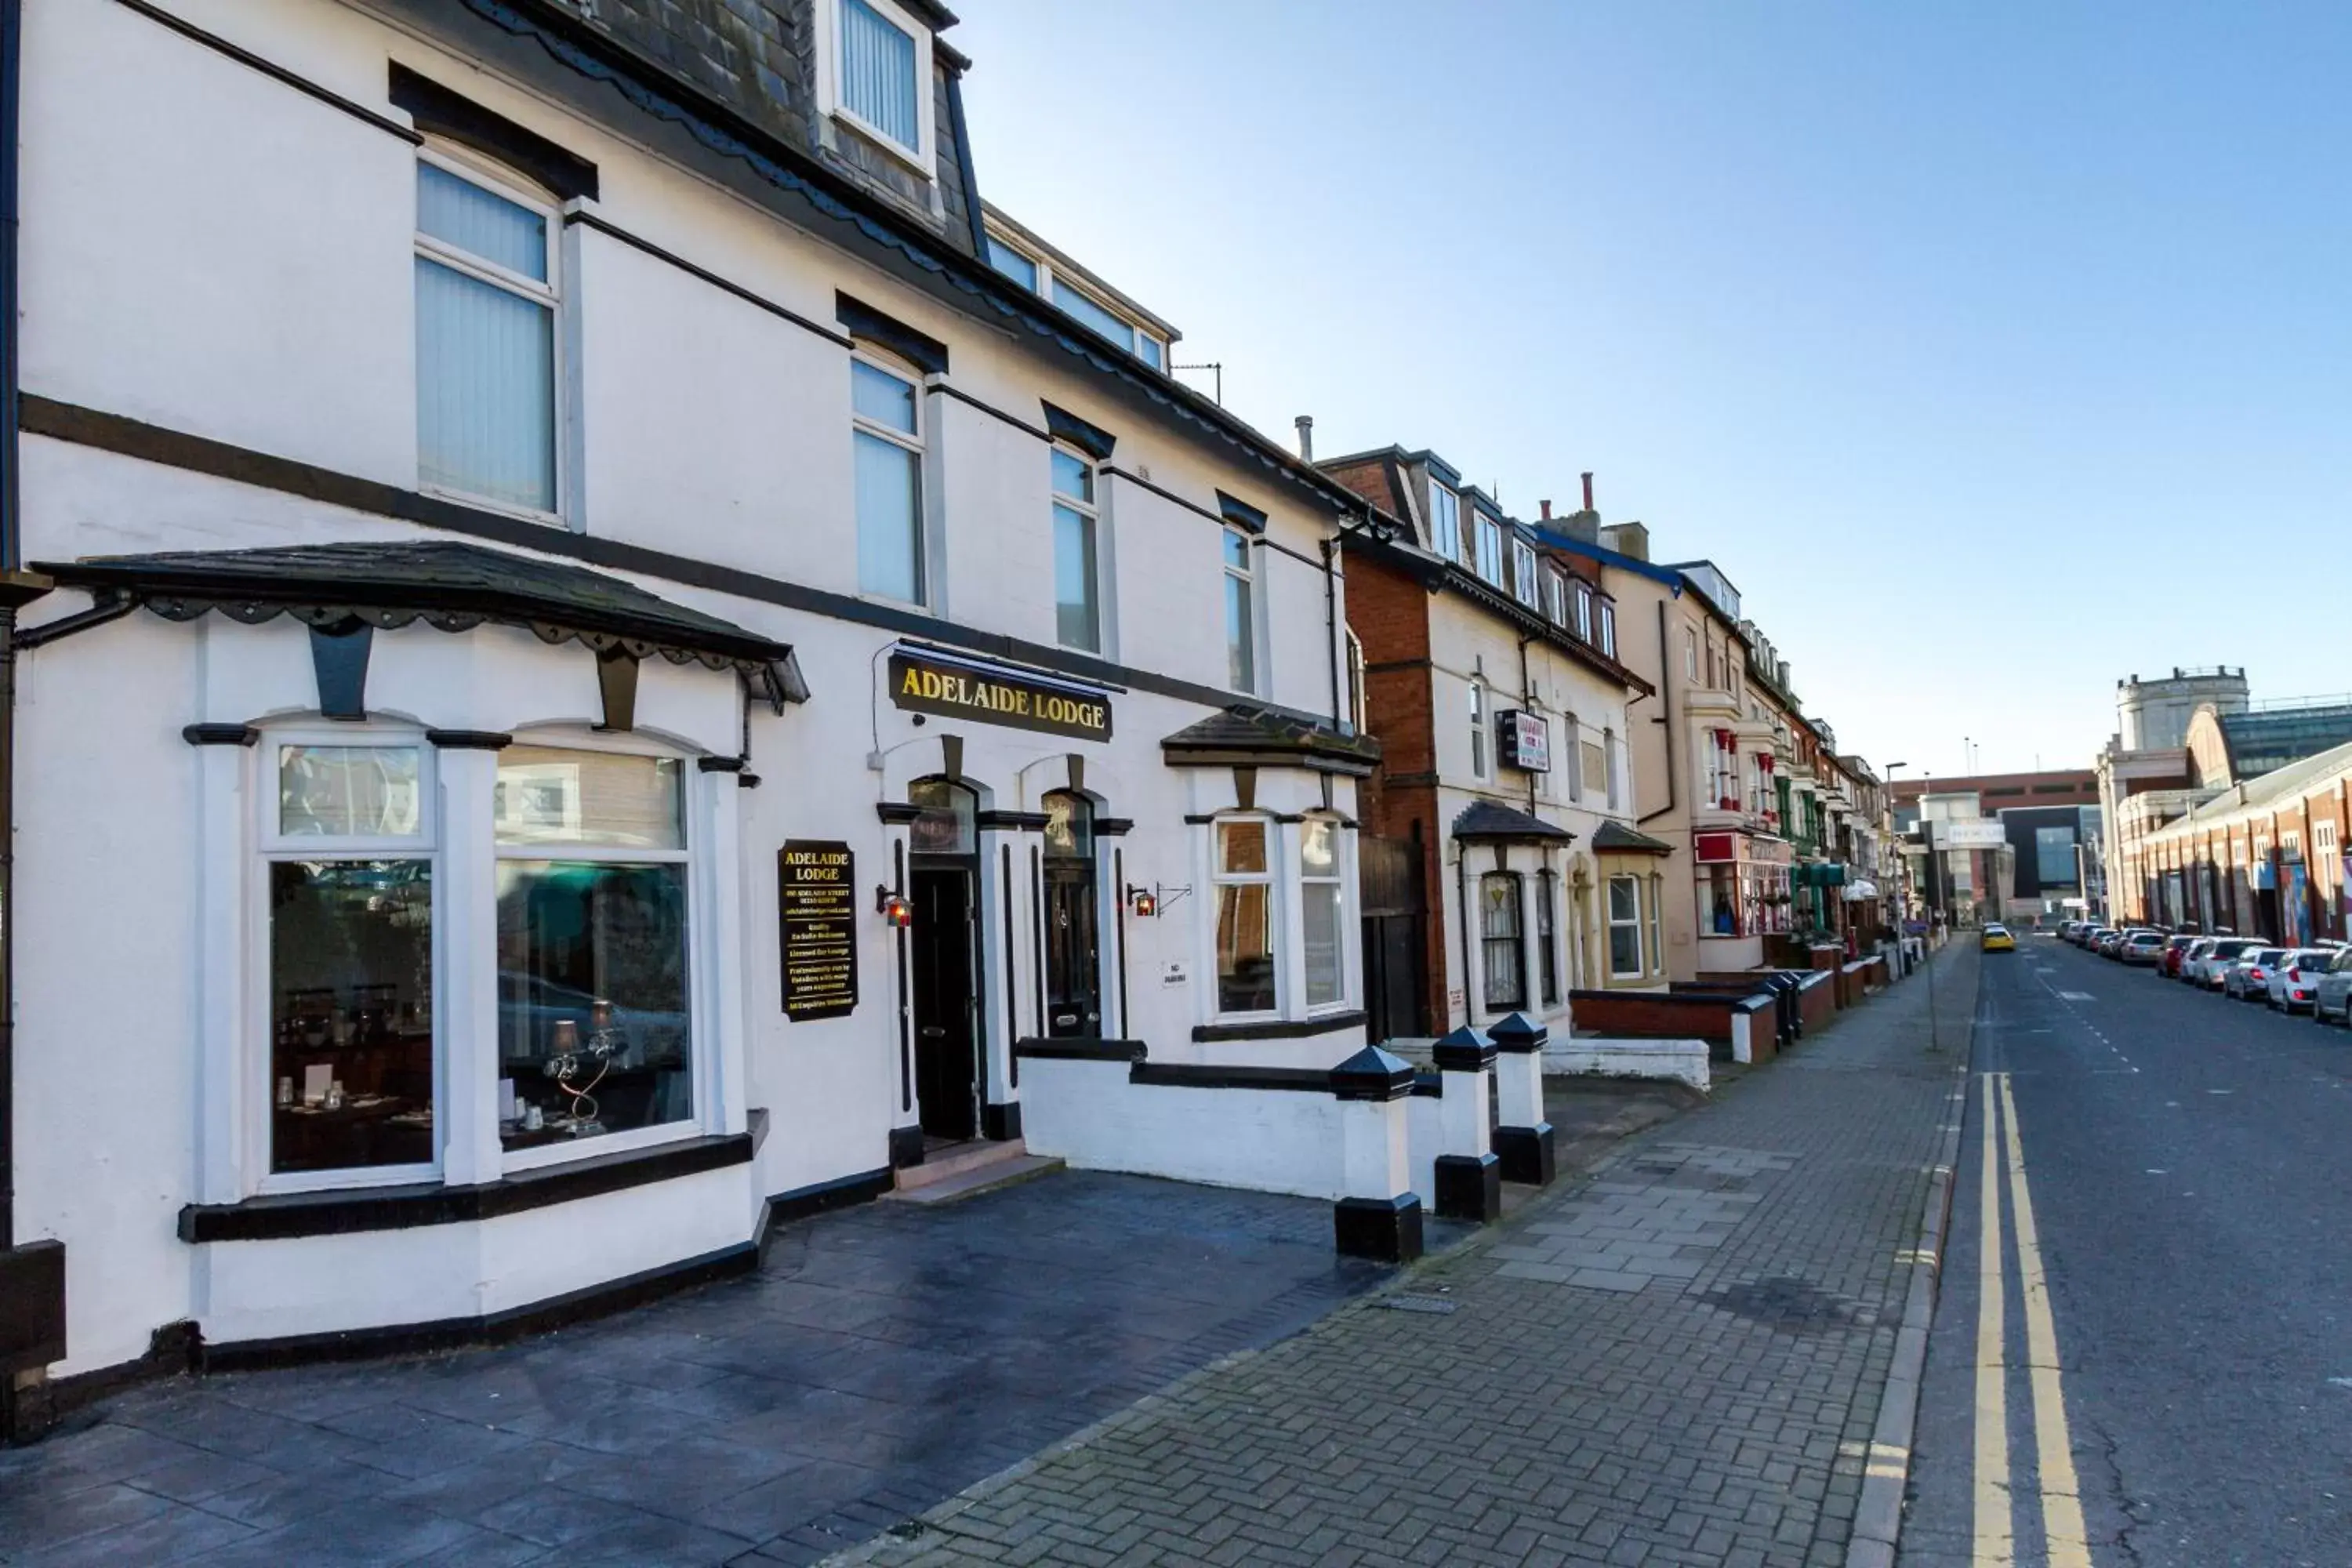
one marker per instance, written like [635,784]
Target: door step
[960,1161]
[979,1179]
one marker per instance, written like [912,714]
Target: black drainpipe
[1331,631]
[32,1280]
[1665,712]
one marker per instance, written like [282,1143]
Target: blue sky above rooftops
[1995,352]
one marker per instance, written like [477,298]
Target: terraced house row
[606,655]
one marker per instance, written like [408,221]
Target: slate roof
[1618,836]
[1248,734]
[451,586]
[1491,819]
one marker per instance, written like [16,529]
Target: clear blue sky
[1996,351]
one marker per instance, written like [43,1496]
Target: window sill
[1281,1028]
[285,1216]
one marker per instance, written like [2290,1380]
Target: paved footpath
[1678,1360]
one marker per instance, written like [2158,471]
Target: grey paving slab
[1716,1414]
[883,1359]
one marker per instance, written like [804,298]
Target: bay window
[1077,616]
[1547,936]
[887,439]
[350,884]
[1244,878]
[1502,943]
[1320,910]
[487,294]
[1624,928]
[583,923]
[594,1034]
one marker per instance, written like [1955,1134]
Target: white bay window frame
[257,841]
[238,799]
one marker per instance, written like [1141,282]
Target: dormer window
[878,66]
[1039,275]
[1489,562]
[1444,522]
[1523,572]
[1556,595]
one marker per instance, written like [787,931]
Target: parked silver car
[2249,979]
[2331,999]
[2206,968]
[2142,947]
[2296,976]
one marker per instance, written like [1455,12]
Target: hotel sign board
[1986,834]
[921,684]
[1525,740]
[816,883]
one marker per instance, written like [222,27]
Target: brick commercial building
[2264,856]
[1500,859]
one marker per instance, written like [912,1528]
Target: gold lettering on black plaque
[920,686]
[816,884]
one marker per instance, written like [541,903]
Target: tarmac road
[2186,1168]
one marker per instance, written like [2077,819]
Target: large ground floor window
[1624,928]
[586,906]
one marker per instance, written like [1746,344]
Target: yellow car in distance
[1997,939]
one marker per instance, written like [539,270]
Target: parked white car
[2204,968]
[2248,978]
[2331,999]
[2295,977]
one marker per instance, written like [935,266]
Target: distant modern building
[2181,743]
[2045,819]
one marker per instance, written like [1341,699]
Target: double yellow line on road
[2067,1541]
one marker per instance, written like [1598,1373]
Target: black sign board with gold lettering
[922,685]
[817,896]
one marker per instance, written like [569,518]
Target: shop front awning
[344,591]
[1491,821]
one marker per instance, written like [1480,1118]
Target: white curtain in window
[484,388]
[877,73]
[889,521]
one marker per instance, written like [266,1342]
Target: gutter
[32,1278]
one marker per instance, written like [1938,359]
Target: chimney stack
[1547,510]
[1588,490]
[1306,423]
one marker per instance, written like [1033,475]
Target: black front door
[1072,983]
[946,998]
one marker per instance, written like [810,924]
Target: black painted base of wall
[1527,1154]
[906,1147]
[1470,1187]
[847,1191]
[1001,1123]
[34,1411]
[1388,1229]
[491,1328]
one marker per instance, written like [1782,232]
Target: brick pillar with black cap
[1523,1141]
[1380,1215]
[1469,1179]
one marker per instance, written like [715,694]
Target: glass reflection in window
[351,982]
[946,822]
[594,1019]
[348,791]
[1245,918]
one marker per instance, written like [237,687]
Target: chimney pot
[1306,423]
[1588,490]
[1547,510]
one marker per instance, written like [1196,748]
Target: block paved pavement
[1678,1360]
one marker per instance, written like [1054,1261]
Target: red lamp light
[896,911]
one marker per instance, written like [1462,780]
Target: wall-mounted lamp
[1148,903]
[896,911]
